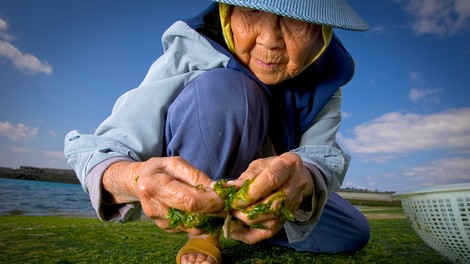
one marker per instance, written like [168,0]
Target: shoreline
[40,174]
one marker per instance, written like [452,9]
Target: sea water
[40,198]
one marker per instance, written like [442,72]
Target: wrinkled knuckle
[150,164]
[173,161]
[250,242]
[293,159]
[272,185]
[198,175]
[144,190]
[152,159]
[283,163]
[191,204]
[275,179]
[256,163]
[163,224]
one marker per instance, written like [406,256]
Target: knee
[229,90]
[354,232]
[361,234]
[347,225]
[223,97]
[222,112]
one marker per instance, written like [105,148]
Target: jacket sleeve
[134,131]
[327,164]
[135,128]
[119,137]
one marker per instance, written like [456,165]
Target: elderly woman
[250,91]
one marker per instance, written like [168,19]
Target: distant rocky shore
[39,174]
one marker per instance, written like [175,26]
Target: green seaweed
[207,222]
[242,193]
[286,213]
[226,193]
[266,208]
[258,209]
[212,222]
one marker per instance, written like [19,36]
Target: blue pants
[218,124]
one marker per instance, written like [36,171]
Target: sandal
[208,246]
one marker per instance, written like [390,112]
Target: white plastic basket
[440,215]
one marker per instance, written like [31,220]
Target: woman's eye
[247,9]
[293,22]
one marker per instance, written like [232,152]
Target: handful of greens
[207,222]
[212,222]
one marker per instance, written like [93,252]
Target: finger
[297,187]
[253,170]
[177,184]
[269,180]
[251,236]
[201,199]
[164,224]
[154,209]
[243,216]
[186,173]
[193,231]
[174,231]
[293,198]
[179,195]
[268,208]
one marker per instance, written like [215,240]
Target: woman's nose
[270,32]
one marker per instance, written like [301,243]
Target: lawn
[27,239]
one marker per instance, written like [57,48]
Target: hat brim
[335,13]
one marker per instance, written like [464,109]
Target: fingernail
[212,184]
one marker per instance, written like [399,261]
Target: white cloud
[413,75]
[18,132]
[3,25]
[22,150]
[439,17]
[52,133]
[397,133]
[346,114]
[379,29]
[54,154]
[351,184]
[462,7]
[444,171]
[416,94]
[25,62]
[3,31]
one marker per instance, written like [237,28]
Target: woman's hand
[161,183]
[281,181]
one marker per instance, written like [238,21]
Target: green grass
[26,239]
[381,210]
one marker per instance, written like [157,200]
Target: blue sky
[406,113]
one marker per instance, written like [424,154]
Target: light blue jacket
[135,129]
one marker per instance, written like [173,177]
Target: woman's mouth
[269,66]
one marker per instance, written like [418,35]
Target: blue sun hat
[334,13]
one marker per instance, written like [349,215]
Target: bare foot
[198,258]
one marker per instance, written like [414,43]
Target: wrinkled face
[273,47]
